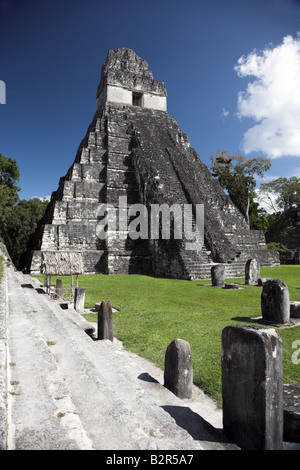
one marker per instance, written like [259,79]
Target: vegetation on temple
[236,174]
[18,218]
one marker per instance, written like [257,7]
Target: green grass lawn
[154,311]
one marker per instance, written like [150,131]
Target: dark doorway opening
[137,99]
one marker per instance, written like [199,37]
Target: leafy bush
[277,246]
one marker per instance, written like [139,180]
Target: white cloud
[225,113]
[272,99]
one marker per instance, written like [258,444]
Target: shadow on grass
[244,319]
[257,321]
[261,321]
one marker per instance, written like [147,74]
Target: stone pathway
[60,389]
[68,391]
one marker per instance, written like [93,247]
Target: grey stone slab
[252,387]
[178,371]
[275,301]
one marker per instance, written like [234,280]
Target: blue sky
[231,68]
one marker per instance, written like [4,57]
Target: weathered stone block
[94,261]
[129,264]
[218,275]
[98,154]
[92,172]
[231,285]
[117,128]
[105,321]
[82,209]
[295,309]
[88,189]
[252,387]
[113,195]
[91,139]
[120,177]
[178,371]
[119,160]
[68,189]
[60,211]
[252,272]
[275,301]
[50,237]
[59,288]
[59,263]
[79,298]
[85,155]
[118,144]
[76,171]
[262,280]
[291,413]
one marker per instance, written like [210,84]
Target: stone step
[76,392]
[203,271]
[39,395]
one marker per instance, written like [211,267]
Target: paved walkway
[69,391]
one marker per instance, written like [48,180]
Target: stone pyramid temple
[135,152]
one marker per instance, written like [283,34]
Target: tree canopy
[18,218]
[236,174]
[9,177]
[285,190]
[22,224]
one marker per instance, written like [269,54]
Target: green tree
[236,174]
[9,177]
[285,190]
[21,226]
[18,218]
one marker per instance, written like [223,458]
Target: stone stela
[105,321]
[252,388]
[178,370]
